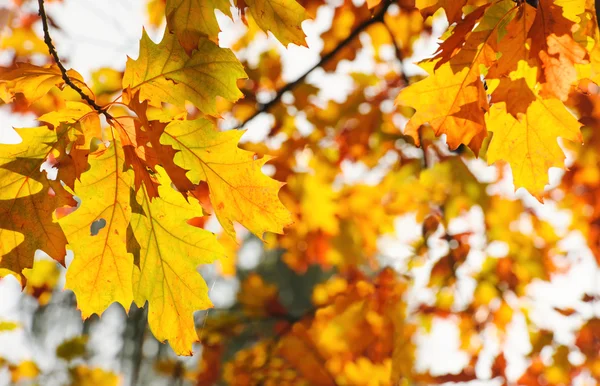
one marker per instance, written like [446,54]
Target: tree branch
[398,52]
[63,70]
[263,108]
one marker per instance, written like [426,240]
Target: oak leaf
[75,124]
[100,273]
[529,143]
[452,103]
[32,81]
[513,46]
[28,200]
[165,73]
[76,112]
[283,18]
[190,20]
[165,273]
[239,191]
[453,8]
[553,44]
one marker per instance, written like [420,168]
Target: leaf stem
[265,107]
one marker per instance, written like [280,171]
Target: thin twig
[263,108]
[398,52]
[63,70]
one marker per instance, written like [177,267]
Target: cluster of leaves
[125,171]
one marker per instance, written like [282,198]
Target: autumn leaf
[41,280]
[513,47]
[165,272]
[85,376]
[453,8]
[190,20]
[100,273]
[76,112]
[452,103]
[164,73]
[239,191]
[28,200]
[283,18]
[124,173]
[76,125]
[25,370]
[529,143]
[32,81]
[552,42]
[452,98]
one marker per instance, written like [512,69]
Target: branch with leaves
[131,172]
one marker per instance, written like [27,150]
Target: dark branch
[263,108]
[63,70]
[398,52]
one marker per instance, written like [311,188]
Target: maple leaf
[100,273]
[190,20]
[529,143]
[32,81]
[164,73]
[28,200]
[239,191]
[165,273]
[283,18]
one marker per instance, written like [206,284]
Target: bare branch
[63,70]
[398,51]
[263,108]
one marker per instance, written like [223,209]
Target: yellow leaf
[282,17]
[239,191]
[86,376]
[571,8]
[24,370]
[452,103]
[32,81]
[41,280]
[453,8]
[8,326]
[35,146]
[164,73]
[319,204]
[100,273]
[27,202]
[530,143]
[165,275]
[190,20]
[24,41]
[76,112]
